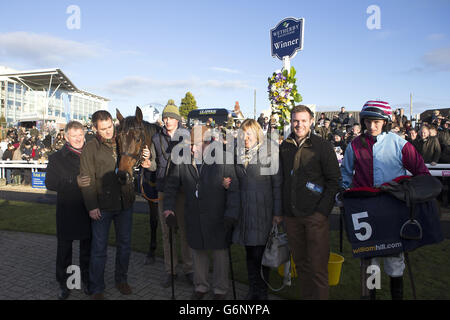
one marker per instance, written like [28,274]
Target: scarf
[249,154]
[74,150]
[109,142]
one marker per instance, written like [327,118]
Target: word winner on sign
[287,38]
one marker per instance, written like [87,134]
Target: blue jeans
[100,233]
[9,177]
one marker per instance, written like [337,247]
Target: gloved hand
[339,200]
[171,221]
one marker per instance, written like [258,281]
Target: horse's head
[131,141]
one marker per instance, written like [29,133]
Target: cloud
[132,85]
[44,50]
[131,53]
[438,59]
[436,36]
[383,34]
[227,70]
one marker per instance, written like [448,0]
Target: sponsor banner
[373,225]
[38,180]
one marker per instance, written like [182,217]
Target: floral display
[283,95]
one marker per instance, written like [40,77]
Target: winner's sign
[287,38]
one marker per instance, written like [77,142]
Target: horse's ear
[139,115]
[119,116]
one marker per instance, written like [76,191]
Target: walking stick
[232,273]
[341,217]
[171,262]
[408,264]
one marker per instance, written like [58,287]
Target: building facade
[45,95]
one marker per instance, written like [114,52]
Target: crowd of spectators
[30,144]
[431,136]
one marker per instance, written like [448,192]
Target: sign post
[287,39]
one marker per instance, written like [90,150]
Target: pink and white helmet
[376,110]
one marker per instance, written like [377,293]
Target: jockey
[376,157]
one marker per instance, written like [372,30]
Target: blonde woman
[260,203]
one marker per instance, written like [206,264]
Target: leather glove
[171,221]
[339,199]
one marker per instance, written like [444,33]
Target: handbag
[277,253]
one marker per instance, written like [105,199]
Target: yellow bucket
[334,269]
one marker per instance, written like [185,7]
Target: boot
[150,258]
[373,294]
[63,292]
[396,284]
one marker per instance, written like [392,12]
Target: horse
[133,135]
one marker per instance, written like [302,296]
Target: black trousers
[258,288]
[153,208]
[64,260]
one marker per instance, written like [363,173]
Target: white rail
[34,166]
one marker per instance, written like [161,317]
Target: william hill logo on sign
[287,38]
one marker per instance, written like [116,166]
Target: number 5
[361,225]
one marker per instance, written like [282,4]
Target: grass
[430,264]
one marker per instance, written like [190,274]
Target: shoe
[168,281]
[197,295]
[98,296]
[150,259]
[218,296]
[190,278]
[124,288]
[63,294]
[86,289]
[250,295]
[396,285]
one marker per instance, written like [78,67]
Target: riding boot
[396,284]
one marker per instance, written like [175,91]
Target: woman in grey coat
[260,186]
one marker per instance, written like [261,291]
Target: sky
[139,52]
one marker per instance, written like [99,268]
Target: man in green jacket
[106,200]
[310,182]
